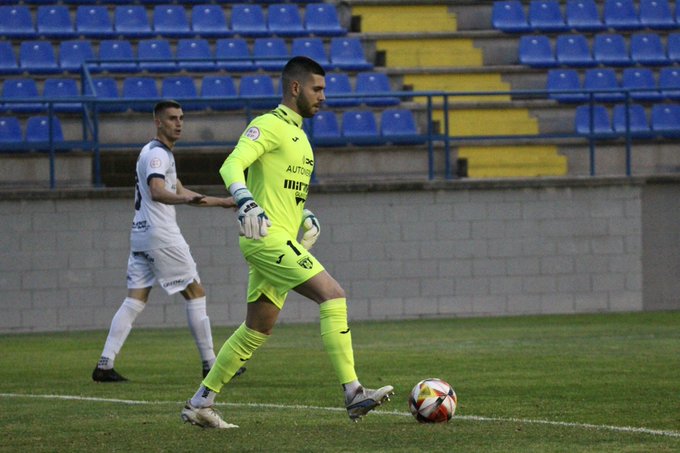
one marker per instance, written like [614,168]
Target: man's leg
[199,323]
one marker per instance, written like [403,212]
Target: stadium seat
[117,49]
[220,87]
[347,54]
[258,85]
[269,48]
[10,130]
[171,21]
[196,49]
[73,53]
[209,21]
[38,57]
[656,14]
[573,50]
[339,83]
[583,16]
[601,123]
[621,15]
[359,127]
[63,88]
[323,129]
[375,83]
[105,89]
[637,120]
[603,79]
[285,20]
[22,88]
[536,51]
[8,61]
[665,119]
[131,21]
[673,47]
[248,20]
[669,82]
[648,49]
[399,126]
[610,49]
[565,80]
[154,55]
[509,16]
[312,48]
[140,88]
[640,78]
[93,21]
[40,130]
[236,54]
[546,16]
[54,21]
[321,19]
[181,89]
[17,22]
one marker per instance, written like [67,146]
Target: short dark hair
[299,66]
[165,104]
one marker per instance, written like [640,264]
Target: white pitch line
[624,429]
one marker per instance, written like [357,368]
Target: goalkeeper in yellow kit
[271,200]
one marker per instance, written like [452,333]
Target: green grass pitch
[583,383]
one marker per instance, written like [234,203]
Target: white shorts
[173,267]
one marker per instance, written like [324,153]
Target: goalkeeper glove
[252,220]
[312,229]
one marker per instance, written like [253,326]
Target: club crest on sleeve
[306,263]
[155,163]
[253,133]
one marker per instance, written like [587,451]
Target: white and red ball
[432,400]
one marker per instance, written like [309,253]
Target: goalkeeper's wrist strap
[240,193]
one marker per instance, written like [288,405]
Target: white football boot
[205,417]
[365,400]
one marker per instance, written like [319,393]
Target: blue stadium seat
[220,87]
[258,85]
[573,50]
[94,21]
[323,129]
[312,48]
[22,88]
[399,126]
[637,120]
[209,21]
[339,83]
[131,21]
[359,127]
[648,49]
[63,88]
[509,16]
[375,83]
[157,53]
[347,54]
[171,21]
[610,49]
[73,53]
[117,49]
[106,89]
[196,49]
[321,19]
[665,119]
[600,118]
[583,15]
[38,57]
[235,49]
[640,78]
[603,79]
[621,15]
[546,16]
[54,21]
[140,88]
[285,20]
[565,80]
[248,20]
[8,61]
[272,47]
[181,89]
[673,47]
[669,82]
[536,51]
[39,129]
[10,130]
[656,14]
[16,21]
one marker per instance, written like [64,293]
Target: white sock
[121,324]
[199,324]
[204,397]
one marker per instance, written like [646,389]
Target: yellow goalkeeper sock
[337,339]
[236,350]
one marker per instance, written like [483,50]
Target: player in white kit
[158,251]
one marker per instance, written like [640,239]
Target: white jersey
[155,224]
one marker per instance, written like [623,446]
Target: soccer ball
[432,401]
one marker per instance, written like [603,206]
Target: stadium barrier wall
[401,250]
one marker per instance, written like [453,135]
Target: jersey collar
[289,115]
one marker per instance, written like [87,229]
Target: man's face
[310,95]
[169,124]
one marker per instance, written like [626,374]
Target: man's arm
[160,194]
[203,200]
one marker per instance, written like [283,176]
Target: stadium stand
[601,123]
[604,79]
[509,16]
[54,21]
[573,50]
[131,21]
[398,126]
[311,47]
[640,78]
[321,19]
[63,88]
[94,21]
[21,88]
[209,21]
[621,15]
[338,83]
[216,87]
[16,21]
[348,54]
[324,129]
[610,49]
[536,51]
[274,49]
[546,16]
[189,49]
[258,85]
[171,21]
[637,121]
[646,49]
[38,57]
[248,20]
[669,82]
[116,55]
[656,14]
[182,89]
[665,119]
[368,83]
[140,88]
[8,61]
[10,130]
[360,128]
[155,55]
[285,20]
[234,53]
[583,16]
[40,130]
[565,80]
